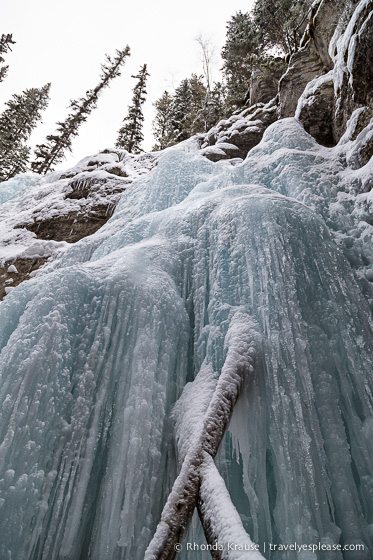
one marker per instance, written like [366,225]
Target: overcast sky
[65,42]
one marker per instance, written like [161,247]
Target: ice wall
[96,351]
[16,186]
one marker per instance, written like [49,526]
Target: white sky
[65,41]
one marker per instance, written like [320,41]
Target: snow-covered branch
[199,432]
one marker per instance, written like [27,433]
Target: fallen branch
[220,520]
[198,470]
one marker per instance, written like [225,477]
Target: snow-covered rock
[40,217]
[12,268]
[234,137]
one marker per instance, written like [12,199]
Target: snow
[134,336]
[226,146]
[28,198]
[223,517]
[307,97]
[235,129]
[343,45]
[199,430]
[213,150]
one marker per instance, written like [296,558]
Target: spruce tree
[215,106]
[181,110]
[16,124]
[130,134]
[188,108]
[162,123]
[197,118]
[240,53]
[281,23]
[5,42]
[52,152]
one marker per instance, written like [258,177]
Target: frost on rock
[101,344]
[308,95]
[41,216]
[342,46]
[235,136]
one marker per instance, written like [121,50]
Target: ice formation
[16,186]
[97,349]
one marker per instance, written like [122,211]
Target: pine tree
[198,94]
[130,134]
[50,153]
[162,123]
[5,42]
[240,54]
[16,124]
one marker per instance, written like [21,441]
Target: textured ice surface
[96,350]
[12,188]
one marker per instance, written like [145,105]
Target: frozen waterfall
[97,349]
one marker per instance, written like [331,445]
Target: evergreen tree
[188,115]
[162,123]
[50,153]
[5,42]
[215,105]
[130,134]
[16,124]
[240,53]
[281,23]
[198,96]
[185,113]
[181,109]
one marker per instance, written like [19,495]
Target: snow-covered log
[221,522]
[198,443]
